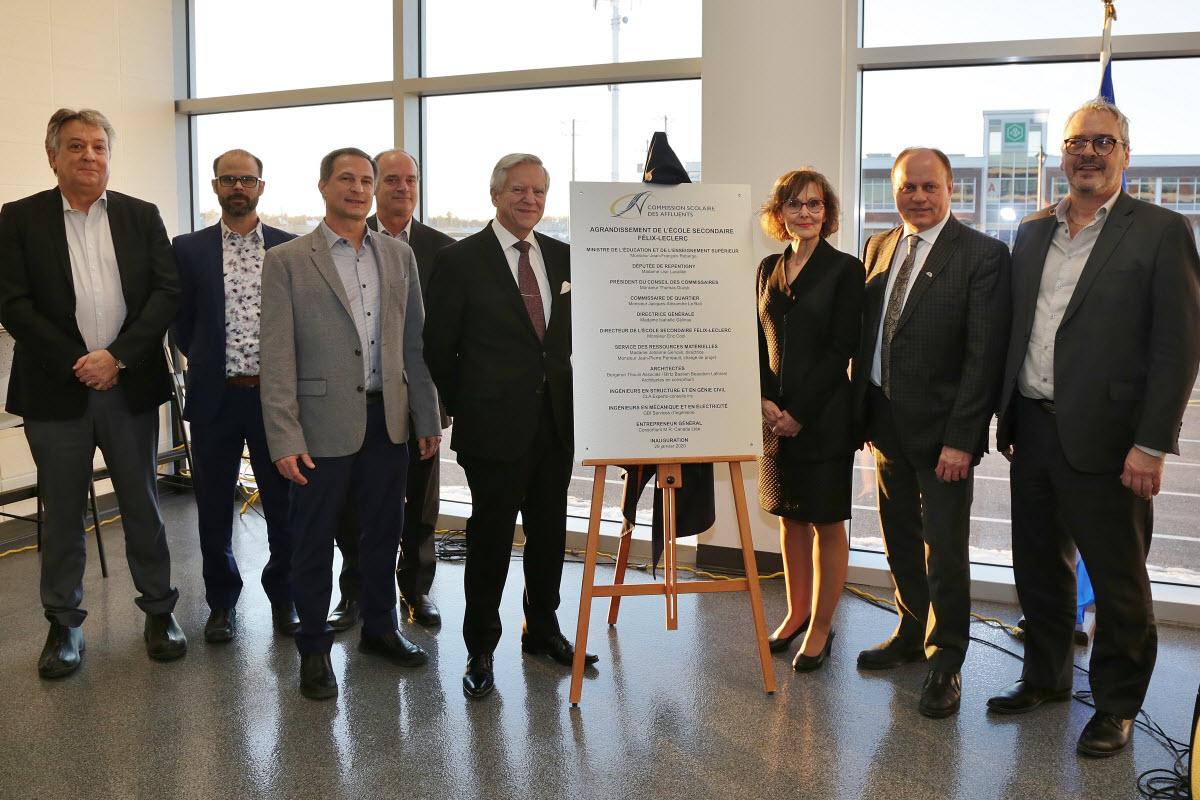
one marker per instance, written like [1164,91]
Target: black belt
[242,381]
[1045,405]
[374,397]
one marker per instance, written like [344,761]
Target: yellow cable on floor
[29,547]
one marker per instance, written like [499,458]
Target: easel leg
[670,575]
[614,604]
[756,608]
[589,582]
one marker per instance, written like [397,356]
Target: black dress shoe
[803,663]
[285,619]
[394,647]
[892,653]
[941,694]
[164,639]
[421,610]
[781,644]
[1104,735]
[1021,697]
[61,653]
[317,681]
[556,646]
[479,680]
[219,627]
[344,615]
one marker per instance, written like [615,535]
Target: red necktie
[530,293]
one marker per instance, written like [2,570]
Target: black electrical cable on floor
[1163,783]
[1154,784]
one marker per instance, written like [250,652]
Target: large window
[573,130]
[473,36]
[291,143]
[295,79]
[240,47]
[1001,125]
[887,23]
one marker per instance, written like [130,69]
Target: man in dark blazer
[87,289]
[220,273]
[1100,368]
[935,321]
[498,343]
[396,196]
[343,384]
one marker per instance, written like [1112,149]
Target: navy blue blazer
[200,326]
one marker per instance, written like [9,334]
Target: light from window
[887,23]
[463,37]
[271,45]
[291,143]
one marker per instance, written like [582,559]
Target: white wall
[773,100]
[112,55]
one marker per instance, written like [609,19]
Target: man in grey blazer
[342,371]
[935,323]
[1103,358]
[395,201]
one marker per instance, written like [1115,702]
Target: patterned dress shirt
[242,259]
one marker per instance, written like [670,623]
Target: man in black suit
[220,273]
[498,343]
[395,201]
[87,289]
[1103,358]
[928,368]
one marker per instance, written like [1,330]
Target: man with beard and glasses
[1101,367]
[220,268]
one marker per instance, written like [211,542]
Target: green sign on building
[1015,133]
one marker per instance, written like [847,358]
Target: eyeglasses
[814,205]
[1102,145]
[247,181]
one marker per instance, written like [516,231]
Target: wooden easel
[670,478]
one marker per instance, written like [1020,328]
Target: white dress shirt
[99,301]
[925,241]
[407,230]
[507,240]
[1064,264]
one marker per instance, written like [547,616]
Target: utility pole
[615,89]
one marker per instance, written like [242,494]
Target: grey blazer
[312,370]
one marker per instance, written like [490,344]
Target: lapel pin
[928,274]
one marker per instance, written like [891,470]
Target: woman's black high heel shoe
[803,663]
[781,645]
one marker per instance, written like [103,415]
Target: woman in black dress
[809,307]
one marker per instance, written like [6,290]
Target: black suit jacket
[1126,349]
[200,326]
[425,242]
[490,369]
[811,344]
[947,352]
[37,305]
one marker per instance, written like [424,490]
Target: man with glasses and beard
[1100,368]
[220,268]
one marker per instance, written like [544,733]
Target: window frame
[408,87]
[859,60]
